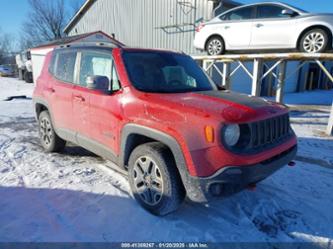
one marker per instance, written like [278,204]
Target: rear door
[272,29]
[81,99]
[236,28]
[59,89]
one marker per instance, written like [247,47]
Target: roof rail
[92,43]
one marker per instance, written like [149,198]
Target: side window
[52,64]
[101,64]
[270,11]
[94,63]
[64,66]
[239,14]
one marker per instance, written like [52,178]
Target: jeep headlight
[231,134]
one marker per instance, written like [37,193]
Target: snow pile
[73,197]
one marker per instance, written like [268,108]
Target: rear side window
[239,14]
[270,11]
[64,66]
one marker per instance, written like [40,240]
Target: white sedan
[265,26]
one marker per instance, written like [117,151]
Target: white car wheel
[215,46]
[314,41]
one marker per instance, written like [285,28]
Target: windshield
[165,72]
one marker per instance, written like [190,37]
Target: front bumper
[230,180]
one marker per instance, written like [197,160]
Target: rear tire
[215,46]
[28,77]
[154,179]
[314,41]
[50,141]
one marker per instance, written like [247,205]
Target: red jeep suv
[158,116]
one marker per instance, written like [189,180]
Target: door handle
[79,98]
[259,25]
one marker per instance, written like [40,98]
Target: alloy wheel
[148,180]
[215,47]
[46,131]
[314,42]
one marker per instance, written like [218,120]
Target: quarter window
[64,66]
[239,14]
[115,83]
[270,11]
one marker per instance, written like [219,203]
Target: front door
[271,29]
[97,112]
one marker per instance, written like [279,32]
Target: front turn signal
[209,134]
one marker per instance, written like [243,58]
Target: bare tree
[5,46]
[45,22]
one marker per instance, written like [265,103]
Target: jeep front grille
[269,131]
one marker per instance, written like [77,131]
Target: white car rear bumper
[199,41]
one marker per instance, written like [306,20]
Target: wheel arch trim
[171,142]
[315,26]
[217,35]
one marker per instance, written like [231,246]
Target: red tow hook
[252,186]
[291,164]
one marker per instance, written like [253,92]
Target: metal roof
[78,14]
[88,3]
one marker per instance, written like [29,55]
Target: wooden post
[256,80]
[226,75]
[329,130]
[281,82]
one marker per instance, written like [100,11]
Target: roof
[276,3]
[74,20]
[88,3]
[70,39]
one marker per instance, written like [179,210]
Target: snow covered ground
[73,197]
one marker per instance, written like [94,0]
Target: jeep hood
[226,105]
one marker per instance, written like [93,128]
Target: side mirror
[287,12]
[99,83]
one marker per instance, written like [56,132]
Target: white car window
[270,11]
[239,14]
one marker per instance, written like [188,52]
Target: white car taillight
[200,27]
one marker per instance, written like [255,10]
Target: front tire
[314,41]
[215,46]
[154,179]
[50,141]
